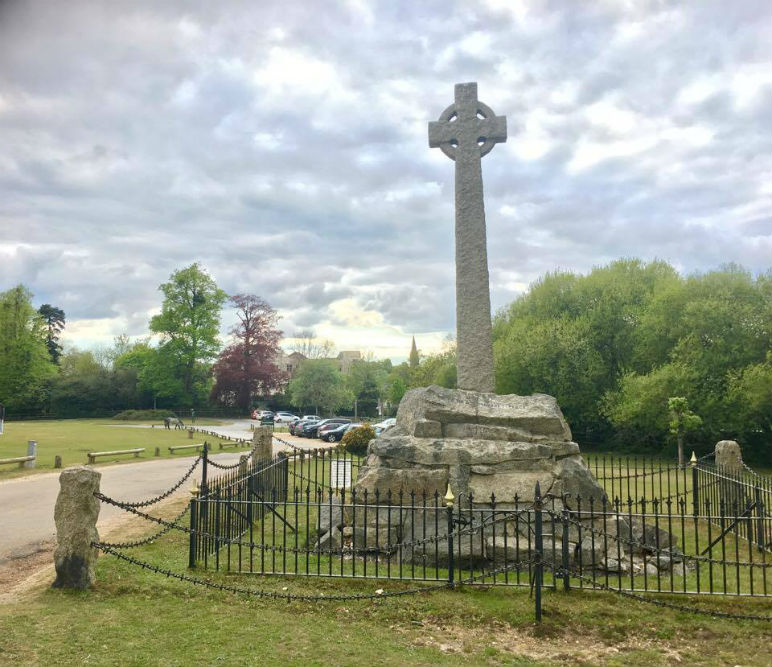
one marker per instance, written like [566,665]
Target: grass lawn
[136,617]
[72,439]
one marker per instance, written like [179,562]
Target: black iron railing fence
[678,530]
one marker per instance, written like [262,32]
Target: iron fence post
[204,461]
[449,498]
[193,533]
[695,484]
[759,517]
[537,557]
[564,546]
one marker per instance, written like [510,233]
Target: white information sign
[340,473]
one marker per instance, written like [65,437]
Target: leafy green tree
[637,409]
[749,409]
[319,383]
[25,363]
[682,421]
[54,319]
[367,380]
[188,324]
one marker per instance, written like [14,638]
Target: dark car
[333,430]
[296,427]
[308,430]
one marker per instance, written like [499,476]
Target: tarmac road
[27,503]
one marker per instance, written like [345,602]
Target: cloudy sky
[283,145]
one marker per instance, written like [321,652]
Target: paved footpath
[27,503]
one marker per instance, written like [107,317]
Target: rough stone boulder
[486,446]
[75,516]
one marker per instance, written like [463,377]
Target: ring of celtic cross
[469,130]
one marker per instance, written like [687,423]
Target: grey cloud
[141,137]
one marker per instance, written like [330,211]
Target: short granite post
[75,515]
[729,456]
[57,461]
[263,439]
[32,450]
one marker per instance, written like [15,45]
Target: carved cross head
[467,125]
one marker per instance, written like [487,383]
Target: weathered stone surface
[427,428]
[457,133]
[75,516]
[506,486]
[384,538]
[330,514]
[404,479]
[438,451]
[538,414]
[648,537]
[500,549]
[467,549]
[577,480]
[489,432]
[330,541]
[263,438]
[561,449]
[592,552]
[729,455]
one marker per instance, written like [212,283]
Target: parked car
[380,427]
[316,417]
[261,414]
[333,430]
[309,429]
[284,418]
[296,427]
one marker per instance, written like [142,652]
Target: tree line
[184,367]
[638,356]
[614,347]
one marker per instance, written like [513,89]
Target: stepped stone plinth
[481,444]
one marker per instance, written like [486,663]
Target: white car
[380,427]
[284,418]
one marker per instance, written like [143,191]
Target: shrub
[356,440]
[143,415]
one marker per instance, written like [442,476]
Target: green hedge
[143,415]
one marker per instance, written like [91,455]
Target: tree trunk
[680,451]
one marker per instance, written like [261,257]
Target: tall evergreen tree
[54,319]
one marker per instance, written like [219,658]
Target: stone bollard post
[157,451]
[263,438]
[190,433]
[243,463]
[729,456]
[57,461]
[76,516]
[32,450]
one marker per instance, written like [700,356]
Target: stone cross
[465,132]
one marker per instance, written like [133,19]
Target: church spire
[414,359]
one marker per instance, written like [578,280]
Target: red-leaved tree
[247,367]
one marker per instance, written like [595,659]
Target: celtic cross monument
[466,131]
[478,442]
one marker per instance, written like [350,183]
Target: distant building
[346,358]
[289,363]
[414,358]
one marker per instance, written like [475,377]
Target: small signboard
[340,473]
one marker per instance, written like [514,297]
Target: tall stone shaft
[466,131]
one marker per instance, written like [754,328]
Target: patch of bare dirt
[538,643]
